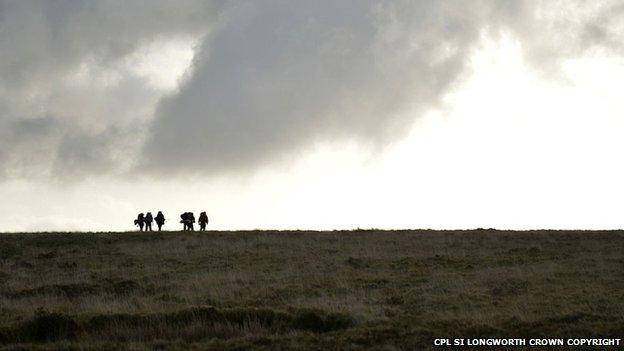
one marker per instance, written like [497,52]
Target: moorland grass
[384,290]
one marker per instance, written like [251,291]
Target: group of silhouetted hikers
[187,219]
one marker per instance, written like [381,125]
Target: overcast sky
[317,114]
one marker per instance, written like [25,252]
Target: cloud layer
[68,103]
[267,79]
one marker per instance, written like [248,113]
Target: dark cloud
[53,147]
[277,75]
[41,40]
[53,126]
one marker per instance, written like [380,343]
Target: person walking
[187,219]
[191,218]
[148,221]
[160,220]
[184,220]
[140,221]
[203,221]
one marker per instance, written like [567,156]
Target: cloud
[53,147]
[267,78]
[278,75]
[41,40]
[68,97]
[551,32]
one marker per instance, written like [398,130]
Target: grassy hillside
[313,290]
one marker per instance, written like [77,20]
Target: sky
[296,114]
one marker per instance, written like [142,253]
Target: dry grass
[312,290]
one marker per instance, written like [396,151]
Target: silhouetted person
[139,221]
[184,220]
[148,221]
[203,221]
[191,218]
[160,220]
[187,219]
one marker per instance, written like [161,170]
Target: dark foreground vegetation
[306,290]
